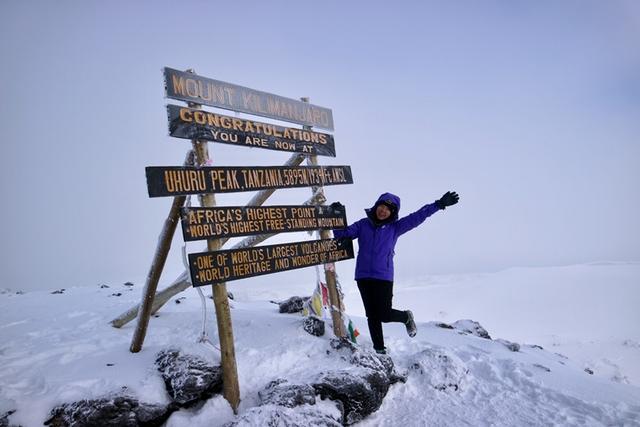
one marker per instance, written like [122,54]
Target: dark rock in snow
[510,345]
[471,327]
[188,378]
[59,291]
[4,419]
[292,305]
[129,284]
[120,411]
[442,371]
[179,300]
[342,344]
[444,325]
[536,346]
[117,294]
[544,368]
[279,416]
[104,286]
[360,391]
[230,296]
[281,393]
[313,325]
[588,371]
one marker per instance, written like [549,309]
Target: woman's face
[382,212]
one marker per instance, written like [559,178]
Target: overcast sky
[530,110]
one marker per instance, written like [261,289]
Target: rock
[230,296]
[4,419]
[104,286]
[279,416]
[544,368]
[360,391]
[313,325]
[512,346]
[440,370]
[119,411]
[129,284]
[471,327]
[444,325]
[378,362]
[342,344]
[179,300]
[588,371]
[117,294]
[188,378]
[59,291]
[281,393]
[292,305]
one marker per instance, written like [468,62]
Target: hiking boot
[412,330]
[383,351]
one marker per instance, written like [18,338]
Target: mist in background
[529,110]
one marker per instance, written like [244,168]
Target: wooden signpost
[233,221]
[189,123]
[163,181]
[217,224]
[210,268]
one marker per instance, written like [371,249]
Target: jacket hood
[385,198]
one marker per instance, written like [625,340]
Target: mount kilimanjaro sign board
[209,268]
[181,180]
[204,125]
[190,87]
[233,221]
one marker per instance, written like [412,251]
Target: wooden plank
[165,181]
[210,268]
[191,123]
[190,87]
[233,221]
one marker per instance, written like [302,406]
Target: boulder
[360,391]
[118,411]
[471,327]
[512,346]
[281,393]
[188,378]
[440,370]
[313,325]
[292,305]
[4,419]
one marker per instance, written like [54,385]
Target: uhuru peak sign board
[190,87]
[180,180]
[209,268]
[198,124]
[232,221]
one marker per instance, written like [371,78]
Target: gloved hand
[336,206]
[449,198]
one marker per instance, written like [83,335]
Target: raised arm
[418,217]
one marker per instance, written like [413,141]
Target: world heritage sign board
[210,268]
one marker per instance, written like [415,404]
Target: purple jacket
[377,241]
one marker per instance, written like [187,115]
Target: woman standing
[377,235]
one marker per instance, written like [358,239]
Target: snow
[60,348]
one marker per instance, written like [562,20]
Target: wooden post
[329,269]
[230,387]
[159,259]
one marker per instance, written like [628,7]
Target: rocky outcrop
[188,378]
[313,325]
[292,305]
[119,411]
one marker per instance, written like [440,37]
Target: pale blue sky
[529,109]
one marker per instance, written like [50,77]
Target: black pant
[376,296]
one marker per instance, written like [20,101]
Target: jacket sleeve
[413,220]
[352,231]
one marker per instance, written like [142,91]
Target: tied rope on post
[204,337]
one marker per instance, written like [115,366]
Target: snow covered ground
[60,347]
